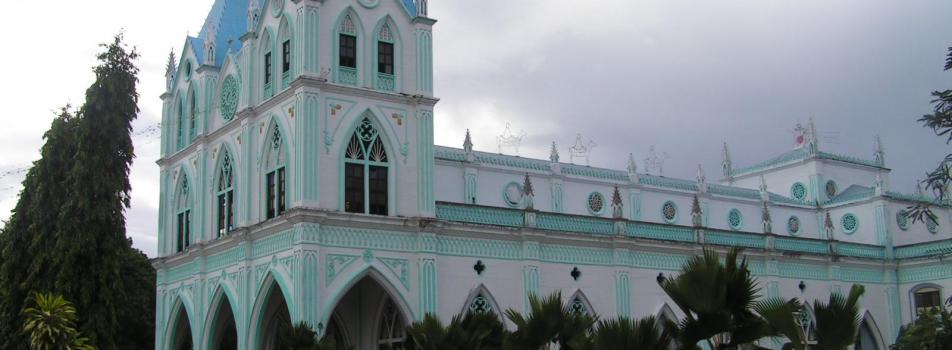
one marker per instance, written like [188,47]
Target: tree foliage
[50,324]
[939,180]
[67,232]
[836,318]
[931,331]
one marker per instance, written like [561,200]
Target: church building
[300,182]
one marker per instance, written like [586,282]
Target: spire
[617,205]
[764,195]
[170,69]
[701,180]
[468,143]
[812,145]
[554,153]
[528,195]
[726,162]
[765,217]
[879,153]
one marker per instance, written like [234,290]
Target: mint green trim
[424,64]
[480,215]
[660,232]
[673,219]
[557,198]
[622,294]
[531,284]
[801,245]
[269,41]
[391,159]
[470,189]
[857,250]
[849,223]
[634,202]
[667,182]
[733,239]
[571,223]
[428,288]
[735,215]
[426,202]
[921,250]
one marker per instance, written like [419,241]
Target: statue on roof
[508,139]
[726,162]
[764,195]
[618,211]
[632,168]
[655,161]
[581,150]
[828,226]
[879,185]
[879,154]
[554,153]
[697,218]
[811,138]
[765,217]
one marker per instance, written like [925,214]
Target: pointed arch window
[285,38]
[180,128]
[275,176]
[192,117]
[366,172]
[385,58]
[347,51]
[226,196]
[807,323]
[268,62]
[183,217]
[391,333]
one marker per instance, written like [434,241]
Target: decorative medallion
[578,307]
[798,191]
[229,98]
[932,225]
[669,212]
[902,219]
[512,194]
[595,203]
[735,219]
[369,3]
[277,7]
[480,305]
[850,223]
[793,225]
[830,189]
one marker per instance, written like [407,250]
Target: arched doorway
[868,336]
[273,317]
[368,316]
[181,338]
[223,333]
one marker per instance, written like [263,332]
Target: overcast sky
[683,76]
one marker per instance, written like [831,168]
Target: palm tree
[837,321]
[549,322]
[474,331]
[302,337]
[719,300]
[50,324]
[624,333]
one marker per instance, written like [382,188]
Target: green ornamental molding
[849,223]
[733,239]
[228,103]
[735,219]
[569,223]
[798,191]
[334,264]
[669,212]
[399,268]
[924,249]
[860,250]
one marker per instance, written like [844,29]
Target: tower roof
[227,20]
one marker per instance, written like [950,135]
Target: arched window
[385,58]
[226,195]
[285,39]
[926,299]
[392,330]
[180,125]
[366,172]
[192,117]
[183,217]
[275,175]
[579,305]
[267,60]
[807,323]
[347,51]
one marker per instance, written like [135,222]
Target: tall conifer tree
[68,234]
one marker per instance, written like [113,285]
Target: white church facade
[300,182]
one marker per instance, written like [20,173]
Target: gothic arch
[181,303]
[192,112]
[183,199]
[578,302]
[869,323]
[223,190]
[272,280]
[358,32]
[397,40]
[490,300]
[391,158]
[285,33]
[223,149]
[224,293]
[265,46]
[266,147]
[343,284]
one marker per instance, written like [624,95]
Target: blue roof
[230,17]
